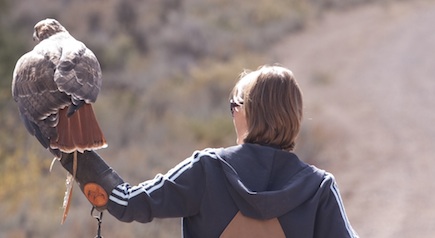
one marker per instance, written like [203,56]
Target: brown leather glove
[95,178]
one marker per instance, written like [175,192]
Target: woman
[258,188]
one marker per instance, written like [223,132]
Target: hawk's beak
[35,36]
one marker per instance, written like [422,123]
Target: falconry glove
[94,177]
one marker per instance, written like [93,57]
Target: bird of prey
[54,86]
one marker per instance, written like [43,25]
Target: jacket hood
[266,182]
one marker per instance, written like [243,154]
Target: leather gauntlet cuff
[95,178]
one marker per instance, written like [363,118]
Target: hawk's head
[47,28]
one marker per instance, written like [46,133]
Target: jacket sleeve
[331,219]
[177,193]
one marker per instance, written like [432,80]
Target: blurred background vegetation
[168,68]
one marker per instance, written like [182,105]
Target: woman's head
[271,102]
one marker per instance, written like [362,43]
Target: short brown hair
[272,102]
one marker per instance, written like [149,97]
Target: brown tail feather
[78,132]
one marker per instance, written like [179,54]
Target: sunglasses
[233,105]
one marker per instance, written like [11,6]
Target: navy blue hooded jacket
[209,188]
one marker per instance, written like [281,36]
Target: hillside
[366,72]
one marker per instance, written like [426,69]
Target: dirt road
[368,76]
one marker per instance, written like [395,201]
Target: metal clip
[100,220]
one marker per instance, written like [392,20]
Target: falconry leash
[99,220]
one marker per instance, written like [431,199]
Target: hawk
[54,86]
